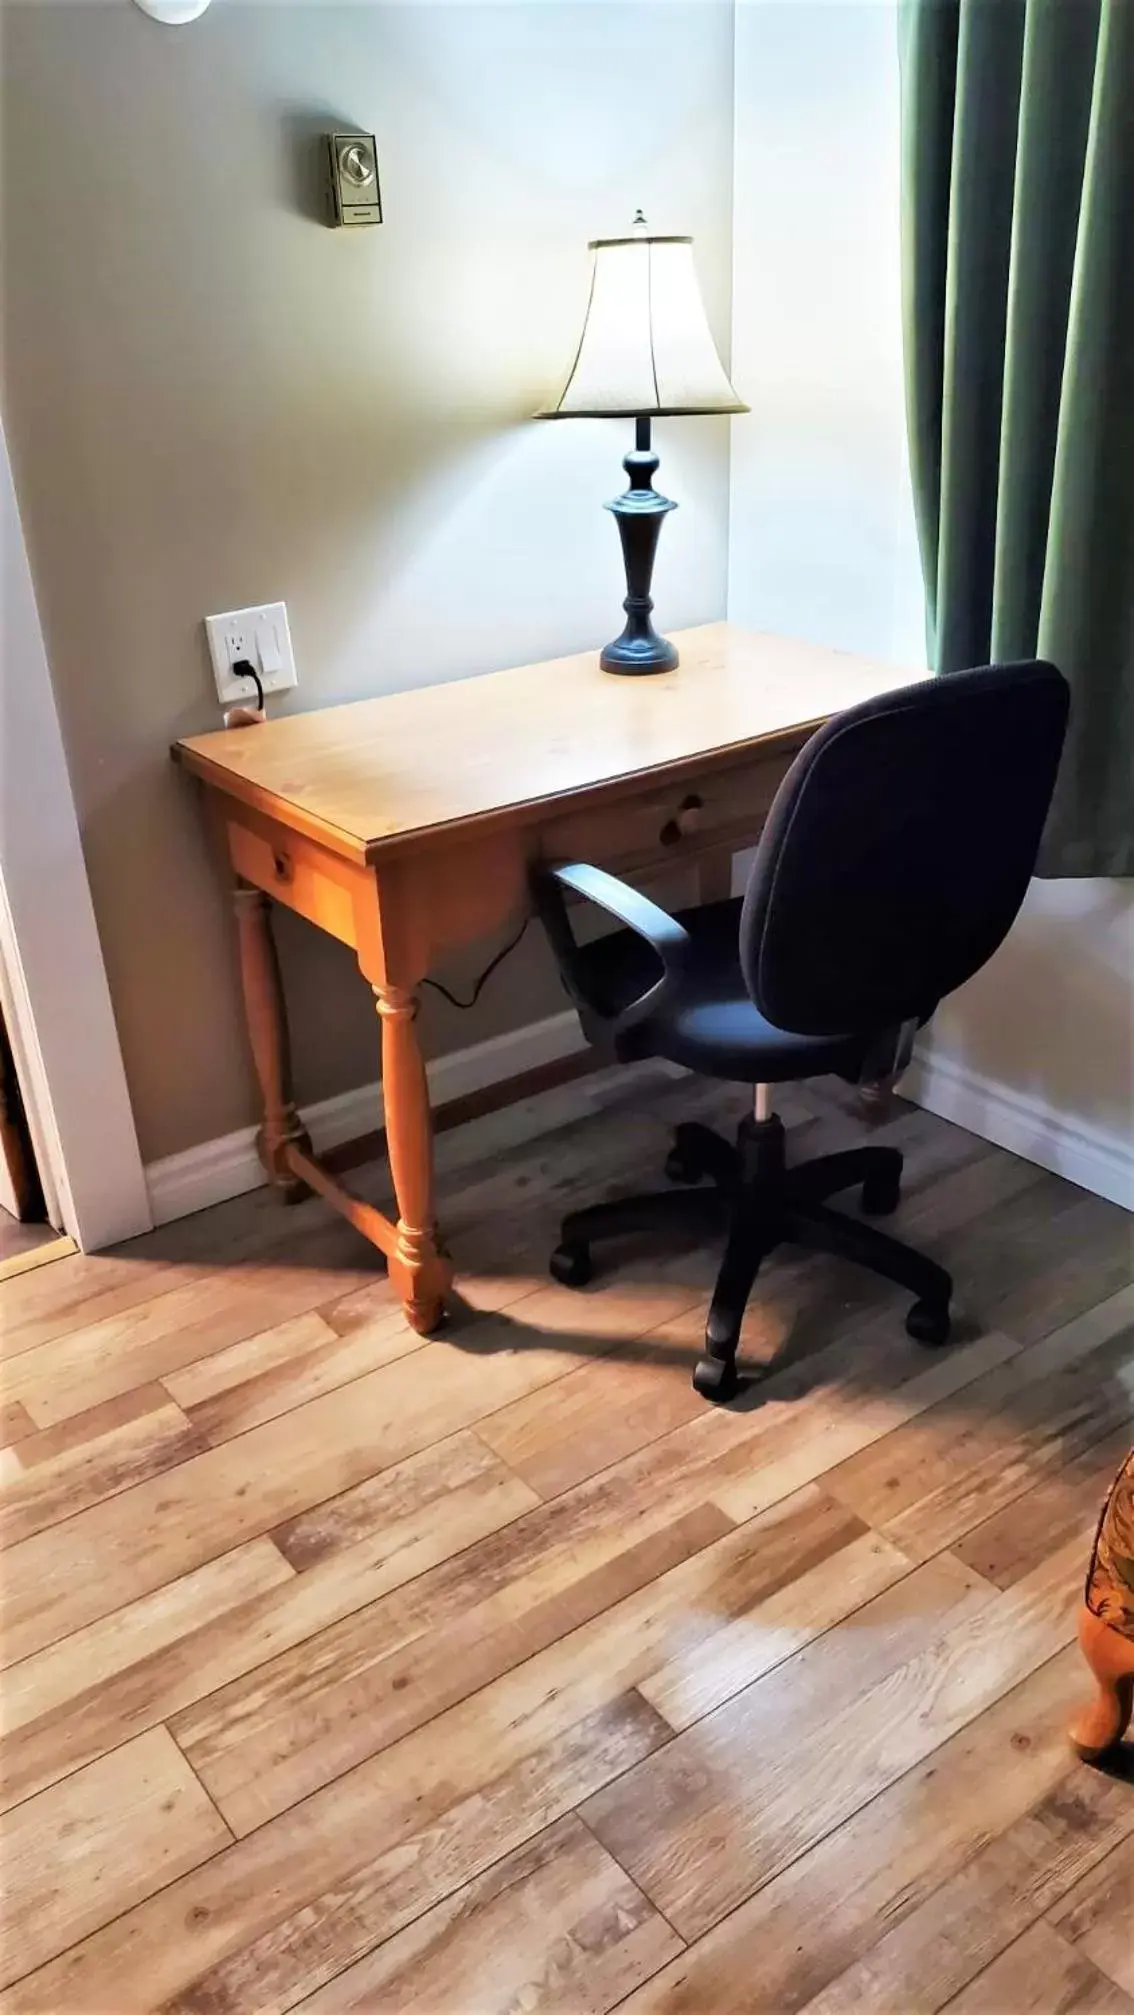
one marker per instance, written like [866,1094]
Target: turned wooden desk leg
[419,1272]
[267,1033]
[1110,1655]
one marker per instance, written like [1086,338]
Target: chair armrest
[663,933]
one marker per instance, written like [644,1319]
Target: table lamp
[646,349]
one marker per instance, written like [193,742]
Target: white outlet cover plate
[261,635]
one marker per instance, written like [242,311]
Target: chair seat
[717,1029]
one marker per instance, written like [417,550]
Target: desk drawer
[676,822]
[294,871]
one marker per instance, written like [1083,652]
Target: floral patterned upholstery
[1110,1576]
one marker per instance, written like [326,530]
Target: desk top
[368,775]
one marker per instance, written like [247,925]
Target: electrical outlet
[261,636]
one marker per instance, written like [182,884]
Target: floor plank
[15,1422]
[1014,1541]
[228,1240]
[556,1926]
[91,1847]
[1075,1252]
[823,1912]
[1045,1976]
[1041,1258]
[498,1653]
[265,1742]
[102,1359]
[282,1912]
[52,1474]
[81,1290]
[925,1489]
[751,1630]
[698,1841]
[392,1527]
[970,1920]
[1098,1915]
[268,1740]
[809,1447]
[56,1582]
[278,1369]
[598,1416]
[17,1238]
[143,1663]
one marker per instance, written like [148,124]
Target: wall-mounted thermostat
[354,178]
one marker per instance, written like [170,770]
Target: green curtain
[1018,292]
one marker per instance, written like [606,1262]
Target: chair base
[759,1203]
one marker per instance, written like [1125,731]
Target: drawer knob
[686,821]
[282,867]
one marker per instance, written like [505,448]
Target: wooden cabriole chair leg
[1106,1622]
[1110,1655]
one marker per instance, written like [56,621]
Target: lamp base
[639,512]
[640,654]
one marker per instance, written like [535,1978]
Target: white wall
[1038,1051]
[822,537]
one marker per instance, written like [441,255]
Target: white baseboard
[219,1169]
[1098,1161]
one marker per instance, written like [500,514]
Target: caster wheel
[928,1322]
[716,1378]
[571,1265]
[882,1196]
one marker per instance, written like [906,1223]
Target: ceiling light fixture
[172,12]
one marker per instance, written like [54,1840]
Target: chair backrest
[899,848]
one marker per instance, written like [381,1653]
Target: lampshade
[646,346]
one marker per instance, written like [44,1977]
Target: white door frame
[53,983]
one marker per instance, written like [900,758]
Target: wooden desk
[406,826]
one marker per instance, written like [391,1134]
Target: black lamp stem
[639,511]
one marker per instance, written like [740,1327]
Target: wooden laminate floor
[17,1238]
[345,1670]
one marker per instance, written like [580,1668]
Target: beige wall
[213,400]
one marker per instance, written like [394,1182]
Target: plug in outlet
[261,636]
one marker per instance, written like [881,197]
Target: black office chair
[893,861]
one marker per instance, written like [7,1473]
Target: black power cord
[485,976]
[243,669]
